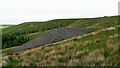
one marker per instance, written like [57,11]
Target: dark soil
[52,36]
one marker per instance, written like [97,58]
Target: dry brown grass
[94,57]
[72,52]
[110,46]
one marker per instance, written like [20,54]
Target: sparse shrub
[16,53]
[28,54]
[75,39]
[9,58]
[98,40]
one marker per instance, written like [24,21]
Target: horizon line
[58,19]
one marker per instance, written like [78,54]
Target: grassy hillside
[27,31]
[97,23]
[33,27]
[20,34]
[4,26]
[100,47]
[96,48]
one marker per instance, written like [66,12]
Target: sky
[19,11]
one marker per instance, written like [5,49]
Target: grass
[12,63]
[94,50]
[4,26]
[33,30]
[33,27]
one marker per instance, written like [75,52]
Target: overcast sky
[19,11]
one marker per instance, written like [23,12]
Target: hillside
[30,30]
[52,36]
[4,26]
[97,48]
[33,27]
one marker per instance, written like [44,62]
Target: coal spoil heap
[52,36]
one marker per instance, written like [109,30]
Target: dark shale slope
[52,36]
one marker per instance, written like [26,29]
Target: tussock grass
[93,49]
